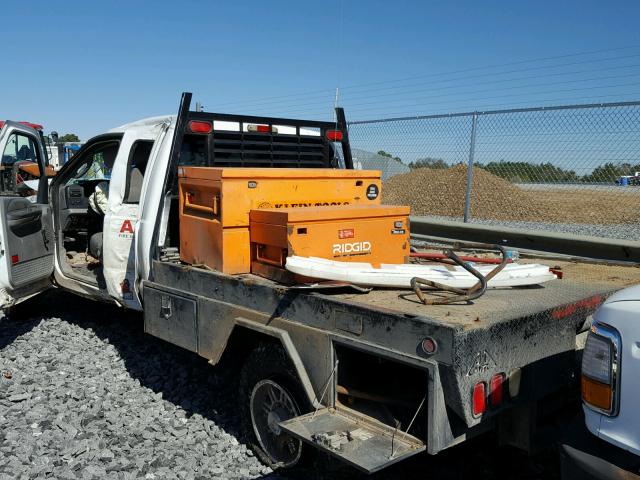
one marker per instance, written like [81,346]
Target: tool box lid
[218,173]
[280,216]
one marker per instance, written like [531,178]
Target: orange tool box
[215,204]
[369,233]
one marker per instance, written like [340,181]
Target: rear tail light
[496,390]
[15,259]
[197,126]
[334,135]
[479,404]
[600,369]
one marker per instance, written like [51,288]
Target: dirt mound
[442,192]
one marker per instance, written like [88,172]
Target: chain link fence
[571,168]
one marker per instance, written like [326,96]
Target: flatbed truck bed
[360,356]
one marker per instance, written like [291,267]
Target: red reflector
[429,346]
[334,135]
[200,127]
[479,399]
[14,259]
[348,233]
[496,390]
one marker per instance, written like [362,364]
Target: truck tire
[269,393]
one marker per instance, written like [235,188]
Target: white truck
[611,395]
[368,377]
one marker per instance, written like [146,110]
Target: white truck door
[26,225]
[123,213]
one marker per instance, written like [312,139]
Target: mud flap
[356,439]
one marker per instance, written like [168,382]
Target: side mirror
[54,137]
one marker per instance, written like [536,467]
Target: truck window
[136,168]
[194,151]
[20,150]
[98,164]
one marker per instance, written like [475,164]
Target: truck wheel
[270,393]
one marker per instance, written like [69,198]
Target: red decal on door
[126,227]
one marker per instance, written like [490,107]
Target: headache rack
[226,140]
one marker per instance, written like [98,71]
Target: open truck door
[26,224]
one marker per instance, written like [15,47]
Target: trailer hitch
[461,294]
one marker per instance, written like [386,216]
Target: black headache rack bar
[272,142]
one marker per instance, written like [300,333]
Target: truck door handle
[165,307]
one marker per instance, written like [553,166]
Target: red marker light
[496,390]
[261,128]
[200,127]
[479,405]
[14,259]
[429,346]
[334,135]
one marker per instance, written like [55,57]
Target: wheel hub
[271,404]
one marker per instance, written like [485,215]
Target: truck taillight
[334,135]
[479,399]
[600,369]
[496,390]
[197,126]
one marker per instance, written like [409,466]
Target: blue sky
[86,66]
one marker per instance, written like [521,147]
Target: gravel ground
[617,231]
[98,399]
[85,394]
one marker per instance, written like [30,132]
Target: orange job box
[215,204]
[355,233]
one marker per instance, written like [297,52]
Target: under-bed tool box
[215,204]
[356,233]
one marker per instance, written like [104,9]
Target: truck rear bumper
[586,457]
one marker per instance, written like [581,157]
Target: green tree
[526,172]
[68,137]
[611,172]
[382,153]
[429,162]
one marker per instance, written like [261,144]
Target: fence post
[472,152]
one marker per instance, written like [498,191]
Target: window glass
[194,151]
[19,148]
[136,168]
[98,163]
[19,169]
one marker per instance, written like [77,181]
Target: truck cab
[610,393]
